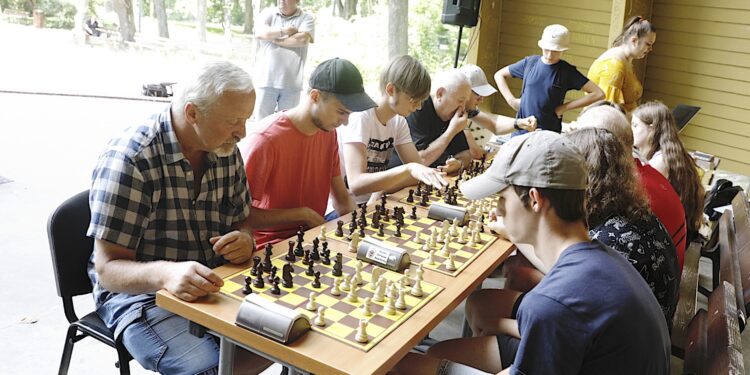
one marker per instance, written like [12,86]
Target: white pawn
[445,228]
[375,277]
[431,258]
[379,293]
[450,263]
[476,236]
[405,281]
[361,335]
[390,308]
[425,246]
[354,243]
[454,227]
[420,273]
[319,320]
[322,235]
[446,250]
[366,307]
[463,238]
[311,304]
[417,239]
[433,237]
[357,278]
[336,290]
[471,242]
[416,289]
[401,300]
[345,283]
[353,296]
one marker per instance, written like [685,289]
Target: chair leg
[123,358]
[67,350]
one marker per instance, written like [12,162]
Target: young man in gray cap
[592,314]
[497,124]
[292,160]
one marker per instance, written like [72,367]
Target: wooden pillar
[621,11]
[485,51]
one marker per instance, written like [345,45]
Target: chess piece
[462,239]
[361,335]
[433,237]
[425,200]
[290,253]
[444,230]
[322,235]
[398,229]
[450,263]
[405,281]
[401,300]
[419,273]
[258,282]
[471,242]
[247,289]
[381,230]
[345,283]
[431,258]
[366,307]
[319,319]
[316,281]
[275,288]
[454,227]
[417,239]
[416,289]
[410,198]
[339,229]
[326,255]
[418,191]
[338,265]
[446,250]
[358,272]
[312,305]
[354,243]
[379,295]
[267,258]
[413,213]
[315,252]
[256,264]
[390,307]
[353,295]
[361,231]
[272,274]
[375,277]
[306,259]
[286,275]
[336,289]
[425,246]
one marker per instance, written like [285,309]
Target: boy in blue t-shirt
[546,80]
[592,314]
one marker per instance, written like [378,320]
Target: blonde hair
[408,75]
[681,168]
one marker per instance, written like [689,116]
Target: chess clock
[271,320]
[441,211]
[381,254]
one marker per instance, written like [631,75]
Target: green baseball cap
[541,159]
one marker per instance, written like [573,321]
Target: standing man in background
[283,34]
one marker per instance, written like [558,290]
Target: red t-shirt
[288,169]
[666,205]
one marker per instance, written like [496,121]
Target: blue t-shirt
[544,88]
[591,314]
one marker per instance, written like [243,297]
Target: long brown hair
[682,170]
[636,25]
[614,186]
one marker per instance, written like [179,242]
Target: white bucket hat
[555,38]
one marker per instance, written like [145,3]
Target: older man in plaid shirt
[169,200]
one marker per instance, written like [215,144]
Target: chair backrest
[695,345]
[724,344]
[730,264]
[71,248]
[688,299]
[741,212]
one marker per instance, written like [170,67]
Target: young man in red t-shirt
[292,161]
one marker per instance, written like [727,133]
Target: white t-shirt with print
[379,140]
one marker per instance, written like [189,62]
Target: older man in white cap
[592,314]
[497,124]
[546,80]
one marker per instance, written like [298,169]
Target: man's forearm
[131,277]
[264,218]
[436,148]
[385,180]
[297,40]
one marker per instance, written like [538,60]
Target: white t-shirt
[276,66]
[380,140]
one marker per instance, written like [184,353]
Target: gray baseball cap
[478,80]
[541,159]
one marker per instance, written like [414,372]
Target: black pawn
[398,229]
[272,275]
[256,264]
[275,289]
[326,257]
[258,281]
[337,265]
[290,253]
[418,191]
[425,200]
[410,198]
[316,282]
[361,232]
[247,289]
[267,258]
[339,229]
[314,254]
[306,258]
[310,269]
[382,201]
[413,213]
[381,230]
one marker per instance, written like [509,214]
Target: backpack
[720,195]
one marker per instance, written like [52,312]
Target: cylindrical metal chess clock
[381,254]
[440,211]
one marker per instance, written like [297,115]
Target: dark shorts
[514,311]
[508,348]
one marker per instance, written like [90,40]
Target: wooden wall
[521,25]
[702,57]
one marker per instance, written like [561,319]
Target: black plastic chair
[71,249]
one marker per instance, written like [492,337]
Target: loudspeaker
[460,12]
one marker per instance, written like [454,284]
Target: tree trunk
[124,10]
[227,21]
[338,8]
[351,9]
[161,16]
[398,25]
[201,15]
[248,17]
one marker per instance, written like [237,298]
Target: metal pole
[458,45]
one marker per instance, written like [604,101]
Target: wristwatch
[515,125]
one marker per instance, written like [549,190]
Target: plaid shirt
[142,198]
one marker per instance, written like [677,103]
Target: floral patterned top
[618,81]
[648,247]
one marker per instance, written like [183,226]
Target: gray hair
[213,80]
[450,80]
[609,118]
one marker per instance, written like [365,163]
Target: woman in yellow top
[613,70]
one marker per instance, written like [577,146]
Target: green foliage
[430,41]
[238,13]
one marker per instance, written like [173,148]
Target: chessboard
[342,317]
[415,233]
[424,196]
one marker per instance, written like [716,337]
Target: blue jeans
[267,100]
[160,341]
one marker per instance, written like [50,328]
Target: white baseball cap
[540,159]
[555,38]
[478,80]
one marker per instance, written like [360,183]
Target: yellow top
[618,81]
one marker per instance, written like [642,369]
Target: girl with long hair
[655,137]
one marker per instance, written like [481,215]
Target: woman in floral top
[618,215]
